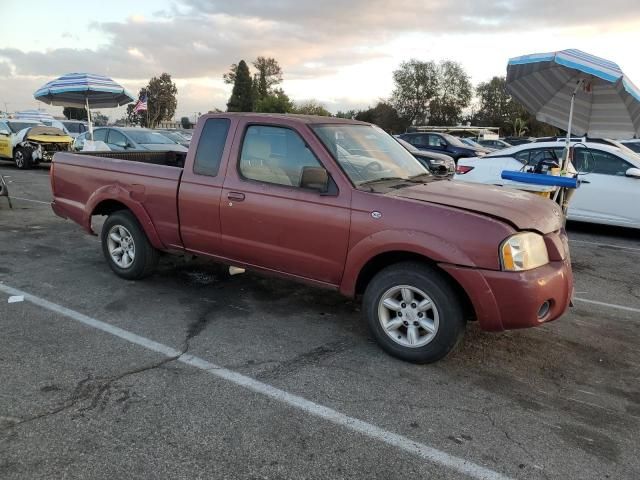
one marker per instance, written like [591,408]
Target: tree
[98,119]
[185,123]
[385,116]
[161,99]
[73,113]
[276,102]
[497,108]
[349,114]
[241,99]
[416,84]
[134,118]
[453,95]
[311,107]
[269,75]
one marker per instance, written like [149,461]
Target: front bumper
[509,300]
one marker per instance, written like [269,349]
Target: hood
[523,210]
[44,134]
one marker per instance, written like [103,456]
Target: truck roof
[287,116]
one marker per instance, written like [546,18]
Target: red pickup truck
[338,204]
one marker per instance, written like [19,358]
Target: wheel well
[383,260]
[107,207]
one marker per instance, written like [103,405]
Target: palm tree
[520,127]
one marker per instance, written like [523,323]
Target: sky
[339,52]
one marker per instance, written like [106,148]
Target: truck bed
[171,159]
[145,182]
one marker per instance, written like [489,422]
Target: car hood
[523,210]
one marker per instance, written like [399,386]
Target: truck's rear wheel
[413,312]
[126,247]
[22,157]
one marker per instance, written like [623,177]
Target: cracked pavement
[559,401]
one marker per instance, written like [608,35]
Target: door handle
[235,196]
[585,181]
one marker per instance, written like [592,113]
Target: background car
[441,143]
[175,136]
[632,144]
[610,177]
[472,143]
[75,127]
[117,138]
[518,140]
[496,143]
[438,163]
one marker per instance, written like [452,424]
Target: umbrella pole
[86,99]
[561,194]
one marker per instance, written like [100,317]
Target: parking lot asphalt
[271,379]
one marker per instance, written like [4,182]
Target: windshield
[454,140]
[73,127]
[148,137]
[17,126]
[407,145]
[175,136]
[368,154]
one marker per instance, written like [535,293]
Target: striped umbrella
[576,91]
[37,115]
[83,90]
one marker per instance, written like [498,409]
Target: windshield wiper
[382,179]
[416,178]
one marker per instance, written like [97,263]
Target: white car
[610,174]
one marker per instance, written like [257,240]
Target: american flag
[141,104]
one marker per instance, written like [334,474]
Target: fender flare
[420,243]
[119,194]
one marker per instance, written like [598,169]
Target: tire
[124,225]
[22,158]
[428,327]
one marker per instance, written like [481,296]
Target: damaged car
[30,143]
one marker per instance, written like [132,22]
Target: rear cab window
[210,146]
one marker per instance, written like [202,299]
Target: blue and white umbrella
[578,92]
[84,90]
[36,115]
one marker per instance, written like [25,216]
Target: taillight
[462,169]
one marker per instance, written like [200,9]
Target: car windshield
[17,126]
[72,127]
[174,136]
[407,145]
[453,140]
[367,154]
[148,137]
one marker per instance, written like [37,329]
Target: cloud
[195,39]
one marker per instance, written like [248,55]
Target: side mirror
[315,178]
[633,173]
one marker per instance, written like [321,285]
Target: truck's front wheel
[126,247]
[413,312]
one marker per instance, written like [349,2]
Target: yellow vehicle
[28,143]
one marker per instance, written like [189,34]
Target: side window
[607,164]
[540,155]
[522,157]
[210,146]
[118,139]
[100,135]
[417,140]
[435,141]
[275,155]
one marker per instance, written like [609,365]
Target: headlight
[523,251]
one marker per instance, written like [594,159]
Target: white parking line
[608,305]
[609,245]
[401,442]
[28,200]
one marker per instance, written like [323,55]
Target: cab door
[269,220]
[5,141]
